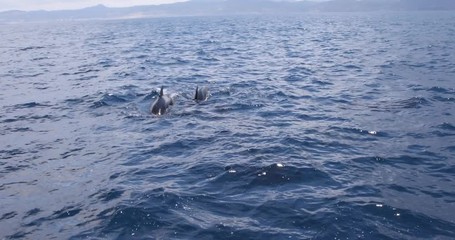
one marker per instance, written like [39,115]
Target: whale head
[162,104]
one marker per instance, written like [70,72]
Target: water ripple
[327,126]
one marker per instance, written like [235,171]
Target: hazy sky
[28,5]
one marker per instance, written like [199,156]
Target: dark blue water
[326,126]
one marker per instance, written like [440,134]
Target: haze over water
[324,126]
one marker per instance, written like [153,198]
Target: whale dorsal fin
[195,95]
[161,91]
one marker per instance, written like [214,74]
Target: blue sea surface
[323,126]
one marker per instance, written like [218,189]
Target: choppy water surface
[330,126]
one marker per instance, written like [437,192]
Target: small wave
[31,75]
[110,99]
[19,129]
[11,153]
[321,83]
[447,126]
[441,90]
[428,160]
[414,102]
[350,66]
[302,71]
[444,99]
[71,152]
[31,48]
[108,195]
[30,118]
[86,78]
[278,174]
[173,61]
[209,59]
[8,215]
[237,107]
[238,178]
[31,105]
[66,212]
[383,221]
[105,63]
[410,103]
[155,212]
[294,78]
[79,72]
[74,101]
[443,134]
[40,58]
[353,134]
[32,212]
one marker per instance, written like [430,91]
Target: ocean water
[324,126]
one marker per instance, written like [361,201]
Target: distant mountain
[386,5]
[227,7]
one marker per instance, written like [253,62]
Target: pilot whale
[162,104]
[202,94]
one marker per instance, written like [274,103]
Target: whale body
[162,104]
[202,94]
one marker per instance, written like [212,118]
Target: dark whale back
[161,105]
[201,94]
